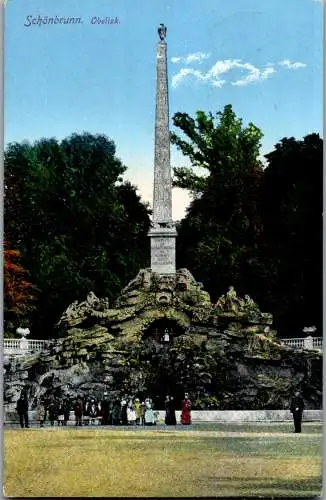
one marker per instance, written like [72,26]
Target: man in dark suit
[22,410]
[296,408]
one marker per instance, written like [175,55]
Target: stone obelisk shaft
[162,199]
[163,232]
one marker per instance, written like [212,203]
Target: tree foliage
[78,226]
[291,246]
[218,144]
[19,293]
[218,237]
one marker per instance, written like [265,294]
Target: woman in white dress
[149,414]
[131,414]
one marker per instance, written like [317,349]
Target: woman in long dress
[123,413]
[167,411]
[138,411]
[116,409]
[149,414]
[66,405]
[131,414]
[143,409]
[186,411]
[172,411]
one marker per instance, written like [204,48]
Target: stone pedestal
[163,250]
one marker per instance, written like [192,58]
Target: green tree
[73,219]
[291,247]
[218,237]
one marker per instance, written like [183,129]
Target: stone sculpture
[161,31]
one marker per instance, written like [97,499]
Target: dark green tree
[218,237]
[291,246]
[77,225]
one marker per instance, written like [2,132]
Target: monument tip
[161,31]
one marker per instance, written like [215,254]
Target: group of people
[121,412]
[88,411]
[170,418]
[130,412]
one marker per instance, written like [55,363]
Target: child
[138,411]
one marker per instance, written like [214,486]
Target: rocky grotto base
[164,335]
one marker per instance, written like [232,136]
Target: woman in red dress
[186,411]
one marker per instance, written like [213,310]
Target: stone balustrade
[23,346]
[314,343]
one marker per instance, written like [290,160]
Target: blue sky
[262,56]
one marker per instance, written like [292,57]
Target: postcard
[163,172]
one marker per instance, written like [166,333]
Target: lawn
[204,460]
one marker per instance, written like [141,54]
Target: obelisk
[163,233]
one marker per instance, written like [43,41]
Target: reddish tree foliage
[18,296]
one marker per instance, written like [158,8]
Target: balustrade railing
[296,343]
[314,343]
[17,347]
[318,342]
[21,347]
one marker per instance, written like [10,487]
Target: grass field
[204,460]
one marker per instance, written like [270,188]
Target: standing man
[79,411]
[296,408]
[66,407]
[22,410]
[52,410]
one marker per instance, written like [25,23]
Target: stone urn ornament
[24,332]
